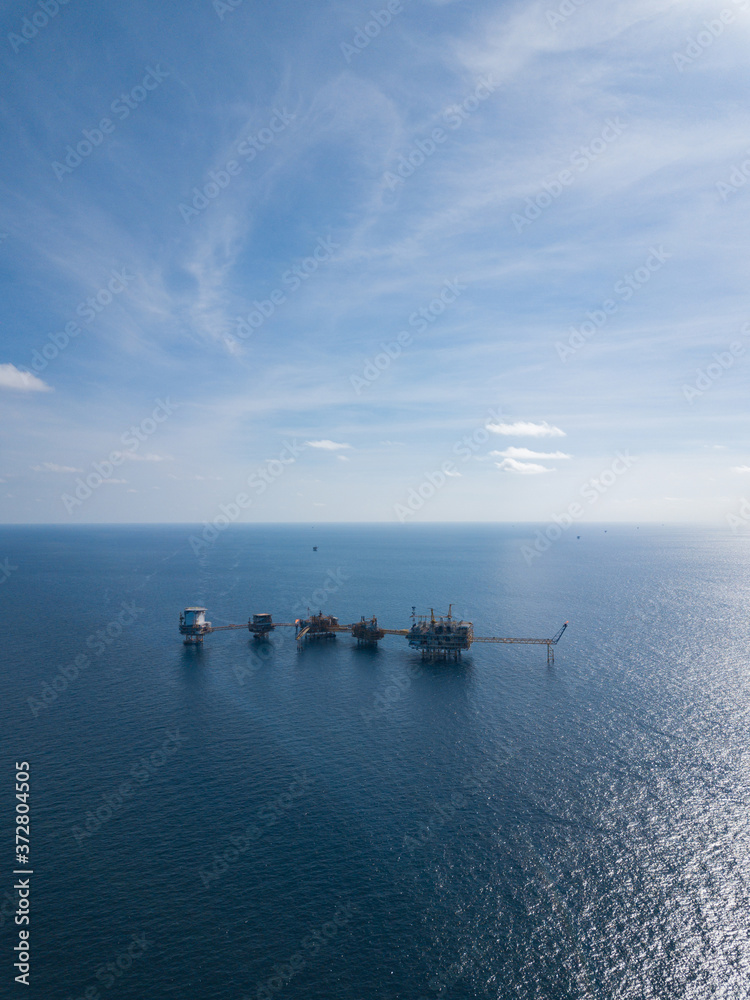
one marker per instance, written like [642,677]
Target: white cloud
[51,467]
[528,453]
[740,468]
[12,378]
[522,468]
[522,428]
[453,472]
[342,458]
[135,457]
[327,445]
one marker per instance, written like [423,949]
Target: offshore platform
[435,637]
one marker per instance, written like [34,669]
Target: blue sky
[294,262]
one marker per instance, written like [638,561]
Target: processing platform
[434,637]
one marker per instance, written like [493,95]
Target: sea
[248,819]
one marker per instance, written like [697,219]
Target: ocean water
[252,820]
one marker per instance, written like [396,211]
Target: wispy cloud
[522,428]
[12,378]
[528,453]
[326,445]
[51,467]
[244,267]
[522,468]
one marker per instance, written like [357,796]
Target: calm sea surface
[249,820]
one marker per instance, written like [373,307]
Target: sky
[416,260]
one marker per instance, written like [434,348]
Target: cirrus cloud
[523,428]
[528,453]
[327,445]
[52,467]
[522,468]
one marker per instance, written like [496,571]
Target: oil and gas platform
[443,636]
